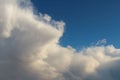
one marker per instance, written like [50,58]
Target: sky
[59,40]
[87,21]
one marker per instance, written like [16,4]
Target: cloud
[101,42]
[30,50]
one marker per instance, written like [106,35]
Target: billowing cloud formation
[30,50]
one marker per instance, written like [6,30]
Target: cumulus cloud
[30,50]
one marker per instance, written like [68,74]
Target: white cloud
[30,50]
[101,42]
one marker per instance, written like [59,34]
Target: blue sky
[87,21]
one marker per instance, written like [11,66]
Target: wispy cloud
[30,50]
[101,42]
